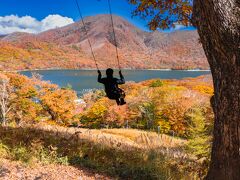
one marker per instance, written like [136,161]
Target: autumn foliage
[152,104]
[163,14]
[177,108]
[32,100]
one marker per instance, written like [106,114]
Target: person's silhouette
[111,86]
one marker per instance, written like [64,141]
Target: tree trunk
[4,120]
[4,101]
[218,24]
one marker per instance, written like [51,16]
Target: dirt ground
[11,170]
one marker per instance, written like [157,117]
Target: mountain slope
[67,47]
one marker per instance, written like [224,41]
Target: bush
[157,83]
[199,143]
[94,117]
[4,150]
[21,153]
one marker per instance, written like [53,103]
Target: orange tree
[59,103]
[24,107]
[218,25]
[172,104]
[56,102]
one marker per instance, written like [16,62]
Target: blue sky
[40,9]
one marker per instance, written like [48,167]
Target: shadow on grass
[57,147]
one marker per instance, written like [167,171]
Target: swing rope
[114,34]
[86,32]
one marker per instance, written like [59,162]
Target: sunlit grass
[120,153]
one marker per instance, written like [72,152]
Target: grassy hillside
[120,156]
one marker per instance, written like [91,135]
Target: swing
[111,84]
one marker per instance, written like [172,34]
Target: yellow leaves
[32,99]
[187,9]
[165,126]
[22,105]
[25,109]
[98,110]
[94,117]
[59,104]
[204,89]
[175,116]
[17,80]
[9,51]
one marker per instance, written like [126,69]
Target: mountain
[67,47]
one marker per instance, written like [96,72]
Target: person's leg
[122,101]
[118,95]
[118,102]
[122,96]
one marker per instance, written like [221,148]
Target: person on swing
[111,86]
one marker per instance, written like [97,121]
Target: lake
[85,80]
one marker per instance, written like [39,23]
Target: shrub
[157,83]
[204,89]
[21,153]
[94,117]
[199,143]
[4,150]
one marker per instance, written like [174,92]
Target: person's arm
[99,76]
[121,80]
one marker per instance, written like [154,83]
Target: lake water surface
[84,80]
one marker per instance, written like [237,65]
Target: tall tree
[218,25]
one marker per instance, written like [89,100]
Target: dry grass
[118,153]
[133,137]
[126,139]
[146,139]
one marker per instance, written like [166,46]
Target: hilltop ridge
[67,47]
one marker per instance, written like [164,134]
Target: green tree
[198,133]
[149,114]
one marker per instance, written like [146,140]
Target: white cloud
[54,21]
[14,23]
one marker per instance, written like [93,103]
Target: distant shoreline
[88,69]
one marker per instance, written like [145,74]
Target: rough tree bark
[218,24]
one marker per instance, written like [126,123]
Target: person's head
[109,72]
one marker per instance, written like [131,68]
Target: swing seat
[116,94]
